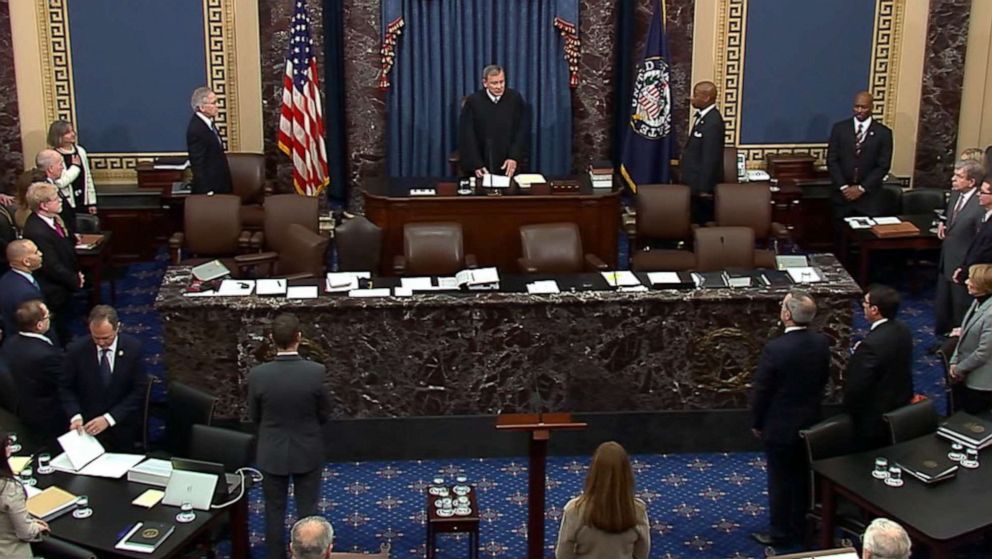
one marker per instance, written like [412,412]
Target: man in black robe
[492,128]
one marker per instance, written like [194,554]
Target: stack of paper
[804,275]
[343,282]
[621,278]
[236,288]
[543,287]
[271,287]
[50,502]
[85,455]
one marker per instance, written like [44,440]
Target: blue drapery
[439,56]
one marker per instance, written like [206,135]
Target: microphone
[489,157]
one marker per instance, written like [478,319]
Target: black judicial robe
[490,133]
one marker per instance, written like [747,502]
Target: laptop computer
[223,490]
[196,488]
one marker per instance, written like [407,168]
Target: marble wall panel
[11,156]
[940,101]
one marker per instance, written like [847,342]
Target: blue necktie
[105,366]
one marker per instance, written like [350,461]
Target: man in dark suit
[104,381]
[211,173]
[18,284]
[879,375]
[788,389]
[288,401]
[59,275]
[702,157]
[492,127]
[980,249]
[964,216]
[36,365]
[51,164]
[859,154]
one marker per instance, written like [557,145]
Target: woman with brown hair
[17,528]
[606,521]
[971,363]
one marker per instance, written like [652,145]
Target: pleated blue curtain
[439,59]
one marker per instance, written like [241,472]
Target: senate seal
[651,100]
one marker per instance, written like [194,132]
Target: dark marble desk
[481,353]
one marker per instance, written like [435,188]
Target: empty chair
[829,438]
[909,422]
[294,247]
[555,248]
[750,205]
[730,165]
[432,249]
[662,220]
[281,210]
[249,184]
[186,406]
[919,201]
[890,200]
[233,449]
[719,248]
[211,229]
[359,245]
[51,547]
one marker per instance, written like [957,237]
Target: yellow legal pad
[17,463]
[149,498]
[50,501]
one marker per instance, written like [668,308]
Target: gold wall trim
[59,94]
[731,49]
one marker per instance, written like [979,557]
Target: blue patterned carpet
[700,505]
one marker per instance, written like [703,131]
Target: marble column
[11,156]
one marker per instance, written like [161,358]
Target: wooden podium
[540,426]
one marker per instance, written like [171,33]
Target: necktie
[697,119]
[957,208]
[860,137]
[213,128]
[59,227]
[105,367]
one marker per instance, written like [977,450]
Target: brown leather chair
[248,180]
[719,248]
[662,219]
[730,164]
[211,229]
[750,205]
[555,248]
[432,249]
[290,236]
[359,245]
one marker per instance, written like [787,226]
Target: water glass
[895,476]
[970,458]
[27,476]
[881,470]
[83,509]
[15,446]
[45,463]
[186,513]
[957,452]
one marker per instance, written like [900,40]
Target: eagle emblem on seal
[651,100]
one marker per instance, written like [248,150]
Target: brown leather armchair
[719,248]
[211,229]
[432,249]
[250,184]
[555,248]
[359,245]
[730,164]
[662,218]
[750,205]
[294,247]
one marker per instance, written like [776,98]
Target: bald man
[859,155]
[702,157]
[19,284]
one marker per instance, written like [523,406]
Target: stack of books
[145,537]
[970,431]
[601,174]
[928,463]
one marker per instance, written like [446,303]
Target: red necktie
[59,228]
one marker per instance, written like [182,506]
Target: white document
[784,261]
[527,179]
[377,292]
[271,287]
[860,222]
[658,278]
[887,221]
[80,448]
[804,275]
[418,284]
[621,278]
[301,292]
[402,292]
[495,181]
[545,286]
[342,282]
[447,284]
[236,288]
[478,276]
[112,465]
[633,288]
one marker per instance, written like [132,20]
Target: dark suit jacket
[36,366]
[59,272]
[14,290]
[288,401]
[207,159]
[879,380]
[82,390]
[960,230]
[980,249]
[788,386]
[489,134]
[868,169]
[8,233]
[702,159]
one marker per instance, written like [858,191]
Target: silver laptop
[196,488]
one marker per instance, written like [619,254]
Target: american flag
[301,125]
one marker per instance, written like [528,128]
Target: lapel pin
[120,353]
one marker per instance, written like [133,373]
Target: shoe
[764,538]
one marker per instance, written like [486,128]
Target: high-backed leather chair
[911,421]
[248,180]
[919,201]
[719,248]
[889,200]
[432,249]
[359,245]
[662,219]
[281,210]
[829,438]
[294,247]
[555,248]
[211,229]
[233,449]
[730,165]
[750,205]
[185,406]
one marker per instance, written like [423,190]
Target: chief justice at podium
[492,127]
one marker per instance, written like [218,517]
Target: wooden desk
[468,524]
[491,223]
[868,243]
[95,260]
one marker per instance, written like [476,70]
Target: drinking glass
[15,446]
[186,513]
[45,463]
[895,476]
[957,452]
[27,476]
[881,470]
[83,509]
[970,458]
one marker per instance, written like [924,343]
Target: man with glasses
[964,215]
[211,173]
[879,375]
[35,365]
[980,249]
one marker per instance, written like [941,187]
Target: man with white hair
[211,173]
[885,539]
[312,538]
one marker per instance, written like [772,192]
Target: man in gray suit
[964,217]
[288,401]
